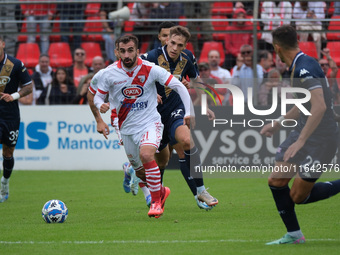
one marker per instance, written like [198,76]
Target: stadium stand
[92,50]
[208,46]
[29,54]
[60,55]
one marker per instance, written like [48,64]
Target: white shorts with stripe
[151,136]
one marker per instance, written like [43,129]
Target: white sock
[296,234]
[4,180]
[146,191]
[200,189]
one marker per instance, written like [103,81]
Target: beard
[128,62]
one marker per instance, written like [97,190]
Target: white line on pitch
[154,242]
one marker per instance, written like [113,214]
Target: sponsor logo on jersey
[303,71]
[133,92]
[135,106]
[4,80]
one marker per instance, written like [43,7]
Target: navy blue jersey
[306,73]
[13,74]
[184,66]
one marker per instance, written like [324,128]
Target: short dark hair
[165,24]
[127,38]
[179,30]
[286,37]
[44,55]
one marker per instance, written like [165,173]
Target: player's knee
[277,182]
[185,142]
[146,156]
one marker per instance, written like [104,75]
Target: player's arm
[24,91]
[318,108]
[102,127]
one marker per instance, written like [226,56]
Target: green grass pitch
[103,219]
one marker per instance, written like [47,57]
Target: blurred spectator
[60,91]
[336,8]
[78,69]
[73,13]
[199,10]
[208,78]
[98,63]
[283,68]
[8,27]
[166,10]
[243,75]
[214,59]
[273,80]
[42,76]
[330,69]
[81,96]
[39,14]
[142,28]
[108,27]
[310,10]
[274,12]
[234,41]
[265,59]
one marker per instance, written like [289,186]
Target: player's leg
[278,183]
[192,159]
[162,158]
[8,164]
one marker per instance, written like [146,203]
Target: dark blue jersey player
[12,75]
[181,63]
[312,144]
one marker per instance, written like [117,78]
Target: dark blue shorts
[170,125]
[314,153]
[9,132]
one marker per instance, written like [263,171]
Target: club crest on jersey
[133,91]
[141,78]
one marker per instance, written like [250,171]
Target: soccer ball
[54,211]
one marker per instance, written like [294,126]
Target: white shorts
[151,136]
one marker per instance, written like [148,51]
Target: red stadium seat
[190,47]
[333,25]
[335,51]
[93,24]
[55,29]
[219,25]
[144,47]
[60,54]
[128,26]
[29,54]
[208,46]
[222,8]
[92,9]
[92,50]
[309,48]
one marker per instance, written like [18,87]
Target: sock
[323,190]
[153,180]
[186,174]
[162,174]
[193,159]
[285,206]
[8,164]
[200,189]
[297,234]
[4,180]
[145,189]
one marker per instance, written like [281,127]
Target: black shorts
[170,126]
[316,151]
[9,132]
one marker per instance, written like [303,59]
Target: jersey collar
[5,58]
[295,59]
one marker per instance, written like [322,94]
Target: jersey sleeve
[161,75]
[306,77]
[24,76]
[94,82]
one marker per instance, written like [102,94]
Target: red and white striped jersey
[133,93]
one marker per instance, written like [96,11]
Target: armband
[15,96]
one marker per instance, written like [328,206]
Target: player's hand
[269,129]
[292,150]
[103,128]
[211,114]
[189,121]
[6,97]
[104,108]
[159,99]
[186,83]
